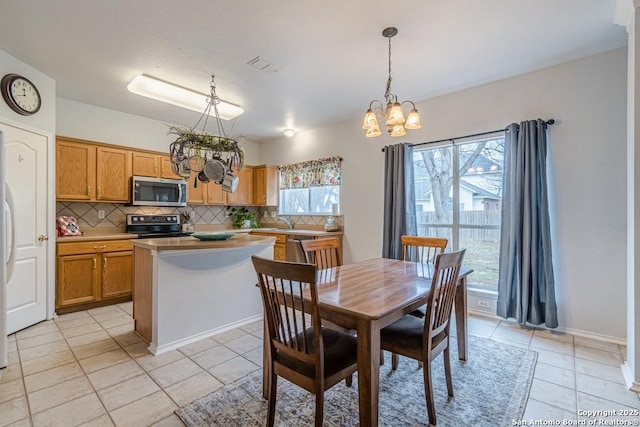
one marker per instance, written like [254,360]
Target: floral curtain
[312,173]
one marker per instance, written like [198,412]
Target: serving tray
[213,236]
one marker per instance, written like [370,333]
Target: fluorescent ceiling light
[180,96]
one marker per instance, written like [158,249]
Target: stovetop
[153,226]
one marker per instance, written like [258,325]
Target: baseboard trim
[570,331]
[155,350]
[628,378]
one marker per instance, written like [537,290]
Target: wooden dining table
[369,295]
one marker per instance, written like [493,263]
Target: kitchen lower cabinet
[280,247]
[92,274]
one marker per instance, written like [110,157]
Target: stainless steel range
[154,226]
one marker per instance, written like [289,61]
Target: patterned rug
[490,389]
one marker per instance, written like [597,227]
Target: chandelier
[393,114]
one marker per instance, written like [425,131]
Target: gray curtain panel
[399,198]
[526,289]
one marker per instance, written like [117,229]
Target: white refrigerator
[4,230]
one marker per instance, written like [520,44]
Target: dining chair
[422,249]
[324,253]
[301,350]
[424,339]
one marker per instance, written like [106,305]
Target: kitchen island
[185,289]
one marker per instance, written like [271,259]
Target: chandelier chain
[387,93]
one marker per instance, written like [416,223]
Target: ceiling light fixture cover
[392,112]
[179,96]
[289,133]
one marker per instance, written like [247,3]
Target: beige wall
[587,163]
[78,120]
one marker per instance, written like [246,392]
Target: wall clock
[20,94]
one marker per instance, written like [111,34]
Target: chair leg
[419,364]
[428,393]
[273,389]
[381,357]
[349,380]
[447,370]
[394,361]
[319,408]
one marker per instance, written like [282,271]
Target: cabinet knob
[100,247]
[88,190]
[43,237]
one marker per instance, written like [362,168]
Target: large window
[311,187]
[458,196]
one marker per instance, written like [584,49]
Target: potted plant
[242,218]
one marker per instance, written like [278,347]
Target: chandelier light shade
[181,97]
[391,110]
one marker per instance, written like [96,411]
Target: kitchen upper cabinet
[196,195]
[165,168]
[244,193]
[87,171]
[152,165]
[75,170]
[265,185]
[144,164]
[215,194]
[113,174]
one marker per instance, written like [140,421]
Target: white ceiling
[331,56]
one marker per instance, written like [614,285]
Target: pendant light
[394,117]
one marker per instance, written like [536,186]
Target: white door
[26,184]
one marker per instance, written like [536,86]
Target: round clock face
[20,94]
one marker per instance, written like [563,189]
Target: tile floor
[89,368]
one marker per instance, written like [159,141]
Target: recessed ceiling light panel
[179,96]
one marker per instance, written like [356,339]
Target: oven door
[158,192]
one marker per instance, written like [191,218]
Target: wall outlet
[264,214]
[274,214]
[101,214]
[483,303]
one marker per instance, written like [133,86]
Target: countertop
[239,240]
[118,234]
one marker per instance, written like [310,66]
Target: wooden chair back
[422,249]
[281,285]
[441,295]
[324,253]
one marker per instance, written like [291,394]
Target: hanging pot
[230,182]
[215,170]
[183,168]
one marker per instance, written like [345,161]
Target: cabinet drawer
[97,246]
[280,238]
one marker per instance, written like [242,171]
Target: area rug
[490,389]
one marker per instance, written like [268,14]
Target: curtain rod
[546,122]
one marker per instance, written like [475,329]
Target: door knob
[43,237]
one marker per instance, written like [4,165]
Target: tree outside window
[458,196]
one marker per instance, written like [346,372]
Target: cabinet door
[165,169]
[75,170]
[77,280]
[280,252]
[117,274]
[144,164]
[113,173]
[243,194]
[265,186]
[215,194]
[196,195]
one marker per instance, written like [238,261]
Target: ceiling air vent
[262,65]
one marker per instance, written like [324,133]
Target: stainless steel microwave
[147,191]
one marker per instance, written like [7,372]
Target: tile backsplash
[115,214]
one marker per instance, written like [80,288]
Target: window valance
[312,173]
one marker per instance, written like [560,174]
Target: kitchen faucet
[286,221]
